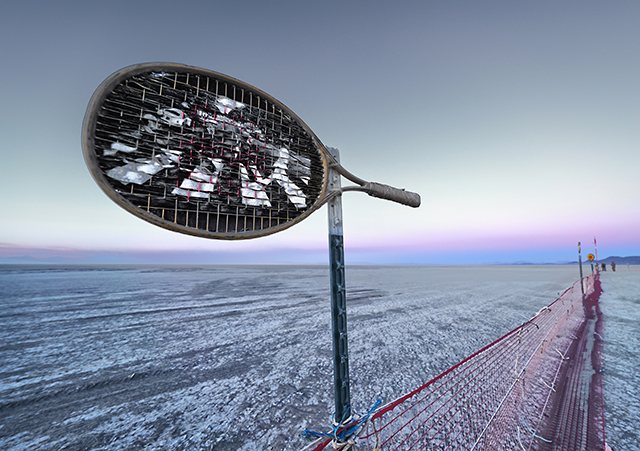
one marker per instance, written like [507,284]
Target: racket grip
[390,193]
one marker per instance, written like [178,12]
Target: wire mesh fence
[532,389]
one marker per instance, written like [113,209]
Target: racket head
[197,152]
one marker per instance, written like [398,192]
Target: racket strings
[200,153]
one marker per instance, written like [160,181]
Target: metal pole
[580,261]
[338,300]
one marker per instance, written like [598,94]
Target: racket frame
[92,115]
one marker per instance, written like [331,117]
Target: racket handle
[390,193]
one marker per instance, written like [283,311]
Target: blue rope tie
[533,433]
[347,433]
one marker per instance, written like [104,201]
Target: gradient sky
[517,122]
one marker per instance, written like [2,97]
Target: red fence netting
[532,389]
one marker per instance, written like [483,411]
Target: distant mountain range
[120,259]
[635,260]
[97,260]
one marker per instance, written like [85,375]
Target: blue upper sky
[517,122]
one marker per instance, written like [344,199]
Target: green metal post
[338,300]
[580,262]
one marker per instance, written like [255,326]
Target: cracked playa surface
[226,358]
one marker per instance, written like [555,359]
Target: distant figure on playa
[604,266]
[613,266]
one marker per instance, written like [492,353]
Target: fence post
[338,299]
[581,281]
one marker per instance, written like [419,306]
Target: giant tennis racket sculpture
[200,153]
[197,152]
